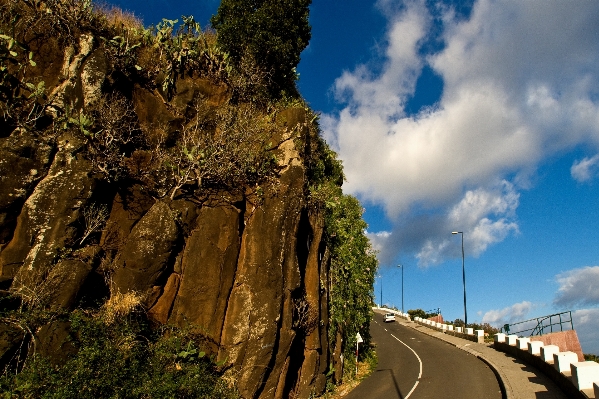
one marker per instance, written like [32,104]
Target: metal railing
[540,325]
[437,311]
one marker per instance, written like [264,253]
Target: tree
[352,271]
[271,32]
[420,313]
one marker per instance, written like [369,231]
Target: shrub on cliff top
[272,32]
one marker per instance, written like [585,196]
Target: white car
[389,317]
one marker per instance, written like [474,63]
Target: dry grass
[120,305]
[341,390]
[119,18]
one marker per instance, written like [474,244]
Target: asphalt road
[416,366]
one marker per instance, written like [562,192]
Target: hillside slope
[135,163]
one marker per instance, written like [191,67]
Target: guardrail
[577,379]
[466,333]
[539,325]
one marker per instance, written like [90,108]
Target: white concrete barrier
[563,360]
[499,337]
[584,374]
[480,333]
[450,328]
[547,353]
[469,331]
[512,340]
[458,329]
[534,347]
[522,343]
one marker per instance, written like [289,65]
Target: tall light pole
[463,277]
[401,267]
[381,276]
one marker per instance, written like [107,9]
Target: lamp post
[401,267]
[463,277]
[381,276]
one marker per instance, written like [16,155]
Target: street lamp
[401,267]
[381,276]
[463,277]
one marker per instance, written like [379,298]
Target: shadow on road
[397,390]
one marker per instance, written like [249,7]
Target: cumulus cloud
[578,287]
[585,169]
[521,82]
[485,215]
[586,324]
[512,314]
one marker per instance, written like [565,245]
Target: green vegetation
[224,145]
[117,357]
[420,313]
[353,262]
[353,267]
[486,327]
[269,33]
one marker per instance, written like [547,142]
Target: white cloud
[578,287]
[512,314]
[585,169]
[521,82]
[385,93]
[586,324]
[485,215]
[378,240]
[581,287]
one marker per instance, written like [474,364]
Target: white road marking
[419,361]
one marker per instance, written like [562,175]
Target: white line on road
[419,361]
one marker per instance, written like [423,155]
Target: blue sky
[478,116]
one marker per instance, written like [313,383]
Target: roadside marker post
[359,340]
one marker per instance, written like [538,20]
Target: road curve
[416,366]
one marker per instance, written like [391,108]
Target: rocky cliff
[175,188]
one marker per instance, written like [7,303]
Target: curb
[504,385]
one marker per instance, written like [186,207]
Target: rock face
[247,273]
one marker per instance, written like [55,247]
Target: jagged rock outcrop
[246,268]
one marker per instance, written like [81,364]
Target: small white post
[534,347]
[563,360]
[584,374]
[547,353]
[359,340]
[522,343]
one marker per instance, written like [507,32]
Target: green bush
[352,271]
[591,357]
[420,313]
[123,359]
[272,33]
